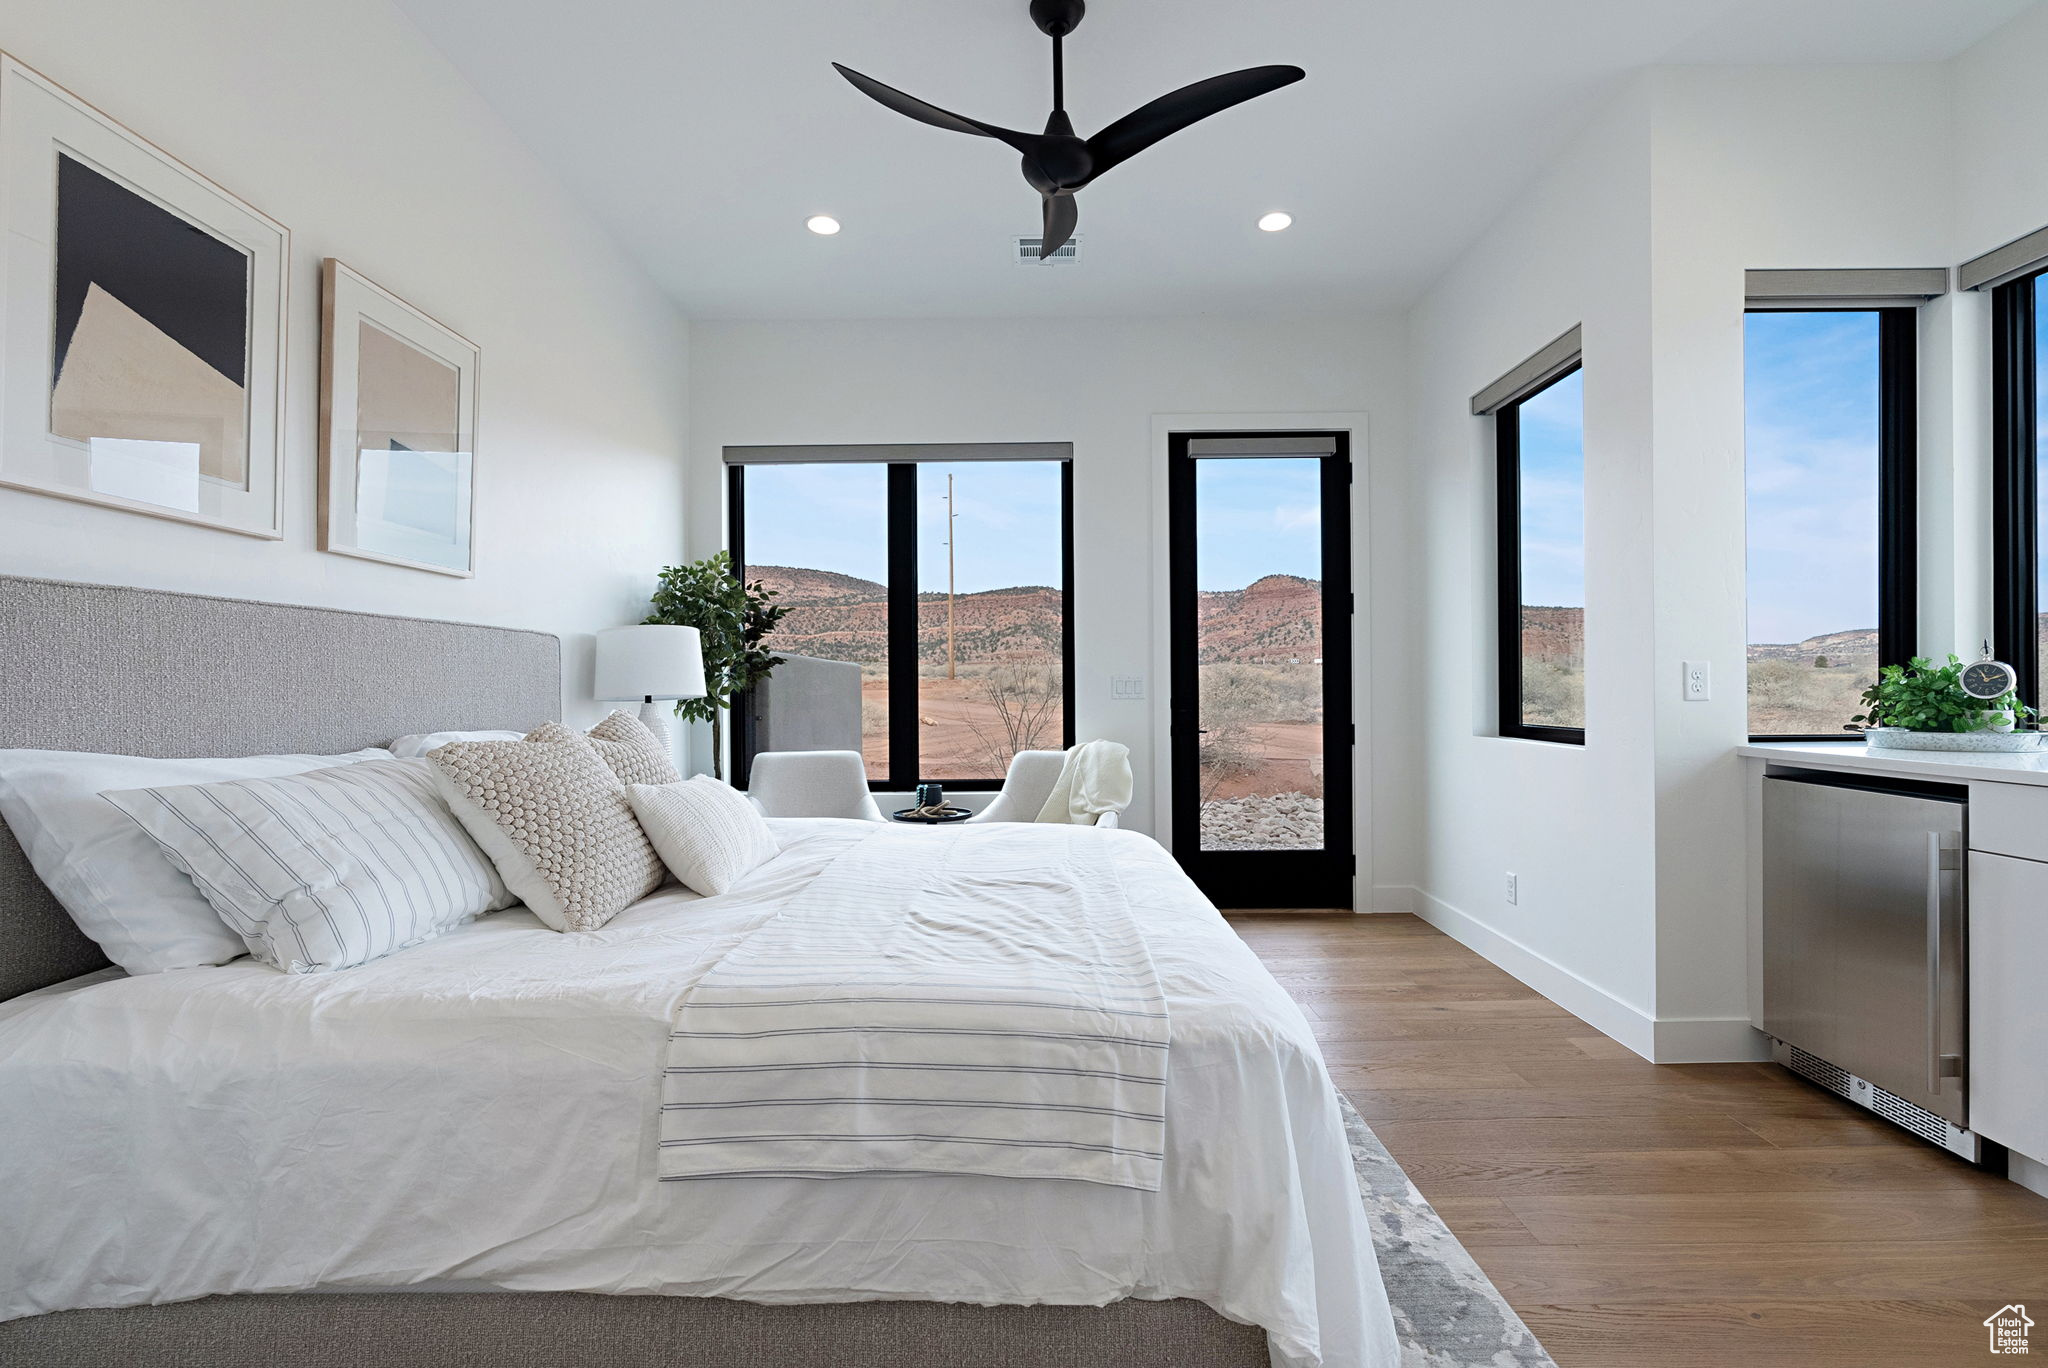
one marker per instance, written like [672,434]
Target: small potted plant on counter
[1953,707]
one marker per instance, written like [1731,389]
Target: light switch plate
[1699,682]
[1127,688]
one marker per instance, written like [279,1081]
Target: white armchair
[1026,787]
[812,784]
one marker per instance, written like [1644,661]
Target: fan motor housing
[1057,18]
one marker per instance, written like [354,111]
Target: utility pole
[950,515]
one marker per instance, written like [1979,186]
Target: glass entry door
[1261,666]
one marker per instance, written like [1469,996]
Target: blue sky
[1811,437]
[1007,524]
[1257,516]
[835,517]
[819,517]
[1553,425]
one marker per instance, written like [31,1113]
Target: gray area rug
[1447,1313]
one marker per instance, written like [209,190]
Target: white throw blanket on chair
[1095,779]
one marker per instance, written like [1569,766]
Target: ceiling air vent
[1063,255]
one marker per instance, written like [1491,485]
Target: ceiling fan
[1057,162]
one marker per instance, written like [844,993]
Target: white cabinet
[2010,819]
[2008,1004]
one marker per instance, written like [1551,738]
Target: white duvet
[480,1111]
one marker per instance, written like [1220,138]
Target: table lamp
[649,663]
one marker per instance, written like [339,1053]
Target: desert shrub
[1027,701]
[1226,753]
[1235,693]
[1553,695]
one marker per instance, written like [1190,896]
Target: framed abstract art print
[397,429]
[142,314]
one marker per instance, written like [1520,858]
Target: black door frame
[1280,878]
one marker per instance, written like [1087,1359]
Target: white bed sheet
[480,1110]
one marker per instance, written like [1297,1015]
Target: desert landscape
[1810,687]
[1262,707]
[1261,688]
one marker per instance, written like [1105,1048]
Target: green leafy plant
[732,619]
[1923,696]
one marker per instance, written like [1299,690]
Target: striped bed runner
[973,1001]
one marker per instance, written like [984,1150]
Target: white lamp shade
[649,662]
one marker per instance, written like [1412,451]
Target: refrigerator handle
[1939,1065]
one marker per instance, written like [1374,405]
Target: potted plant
[732,618]
[1923,706]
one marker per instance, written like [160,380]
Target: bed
[443,1154]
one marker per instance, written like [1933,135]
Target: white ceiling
[703,135]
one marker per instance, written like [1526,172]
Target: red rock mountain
[1273,620]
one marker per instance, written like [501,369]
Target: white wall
[1999,153]
[1097,385]
[1632,852]
[1575,823]
[1768,167]
[341,121]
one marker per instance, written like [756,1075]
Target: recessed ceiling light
[1275,221]
[822,224]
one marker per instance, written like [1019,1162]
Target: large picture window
[2019,312]
[1828,397]
[1541,502]
[945,582]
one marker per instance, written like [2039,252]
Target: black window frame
[901,530]
[2015,420]
[1898,492]
[1507,449]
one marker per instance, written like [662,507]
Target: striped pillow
[326,869]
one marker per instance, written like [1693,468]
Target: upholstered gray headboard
[140,672]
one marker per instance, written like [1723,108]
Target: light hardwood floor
[1646,1216]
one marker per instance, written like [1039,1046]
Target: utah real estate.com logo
[2008,1327]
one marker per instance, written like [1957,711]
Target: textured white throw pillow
[145,914]
[554,819]
[706,831]
[634,753]
[326,869]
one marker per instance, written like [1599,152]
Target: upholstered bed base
[568,1330]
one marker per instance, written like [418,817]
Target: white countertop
[1855,755]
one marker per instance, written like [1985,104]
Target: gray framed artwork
[398,404]
[142,312]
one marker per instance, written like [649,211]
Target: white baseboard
[2030,1174]
[1673,1041]
[1393,898]
[1709,1040]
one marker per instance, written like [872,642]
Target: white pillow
[411,747]
[326,869]
[706,831]
[111,877]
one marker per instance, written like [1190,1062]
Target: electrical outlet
[1699,682]
[1514,889]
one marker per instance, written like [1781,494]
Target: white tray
[1983,742]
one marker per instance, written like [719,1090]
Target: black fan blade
[912,107]
[1169,114]
[1061,216]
